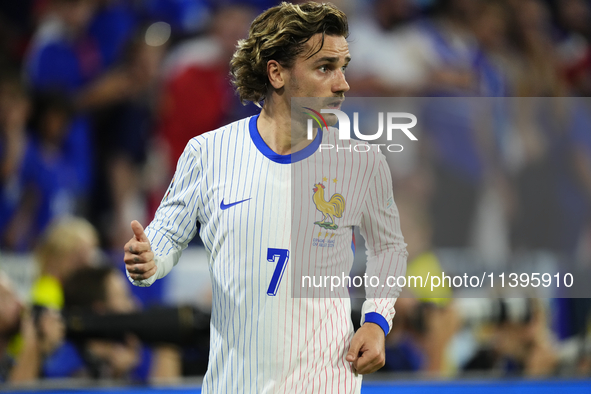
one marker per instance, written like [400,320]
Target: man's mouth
[335,104]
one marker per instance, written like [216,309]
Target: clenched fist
[139,258]
[367,352]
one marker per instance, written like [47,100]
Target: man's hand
[367,352]
[139,258]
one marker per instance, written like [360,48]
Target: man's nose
[340,85]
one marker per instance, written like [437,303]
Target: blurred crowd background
[98,98]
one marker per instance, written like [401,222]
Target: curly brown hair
[280,34]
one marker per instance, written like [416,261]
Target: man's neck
[275,127]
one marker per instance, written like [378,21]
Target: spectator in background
[460,147]
[388,48]
[549,225]
[124,123]
[452,141]
[538,75]
[41,332]
[42,176]
[459,66]
[54,172]
[105,290]
[197,96]
[186,17]
[495,28]
[573,20]
[68,245]
[438,55]
[14,111]
[435,56]
[112,26]
[424,333]
[550,134]
[518,348]
[62,56]
[68,53]
[423,327]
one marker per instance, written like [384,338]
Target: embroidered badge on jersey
[331,209]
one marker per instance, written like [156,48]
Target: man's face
[322,75]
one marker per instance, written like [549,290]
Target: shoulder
[228,134]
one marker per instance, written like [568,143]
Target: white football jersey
[266,220]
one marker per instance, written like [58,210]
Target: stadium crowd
[98,99]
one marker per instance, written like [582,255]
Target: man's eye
[343,69]
[323,69]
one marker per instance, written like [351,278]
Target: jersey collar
[277,158]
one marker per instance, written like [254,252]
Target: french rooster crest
[330,209]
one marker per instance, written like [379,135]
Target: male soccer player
[239,183]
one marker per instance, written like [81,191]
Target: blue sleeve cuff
[374,317]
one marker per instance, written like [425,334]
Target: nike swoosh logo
[226,206]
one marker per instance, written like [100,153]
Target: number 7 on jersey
[282,255]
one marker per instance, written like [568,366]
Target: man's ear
[276,74]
